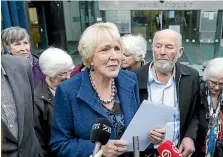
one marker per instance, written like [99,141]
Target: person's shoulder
[124,74]
[142,69]
[126,80]
[15,61]
[188,69]
[74,81]
[73,84]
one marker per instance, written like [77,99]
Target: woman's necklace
[104,101]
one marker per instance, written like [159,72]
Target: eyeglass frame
[214,84]
[66,73]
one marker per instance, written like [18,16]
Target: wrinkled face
[20,48]
[215,85]
[106,59]
[165,52]
[128,60]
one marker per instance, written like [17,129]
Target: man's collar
[3,70]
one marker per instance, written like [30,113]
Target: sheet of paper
[149,116]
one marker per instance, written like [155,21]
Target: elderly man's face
[20,48]
[165,51]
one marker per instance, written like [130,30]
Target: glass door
[196,27]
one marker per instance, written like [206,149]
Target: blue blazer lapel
[126,93]
[89,96]
[125,88]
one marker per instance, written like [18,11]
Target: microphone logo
[166,153]
[107,128]
[176,150]
[104,127]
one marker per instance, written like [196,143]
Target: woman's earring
[92,68]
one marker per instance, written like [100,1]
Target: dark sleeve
[29,71]
[196,105]
[64,142]
[28,68]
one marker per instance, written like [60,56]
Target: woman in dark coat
[57,66]
[209,141]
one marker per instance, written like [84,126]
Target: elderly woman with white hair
[16,41]
[210,132]
[101,90]
[57,66]
[134,51]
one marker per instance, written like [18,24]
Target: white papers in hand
[149,116]
[169,132]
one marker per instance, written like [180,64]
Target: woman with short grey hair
[57,66]
[134,51]
[16,42]
[210,132]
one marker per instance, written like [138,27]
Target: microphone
[136,146]
[168,149]
[100,133]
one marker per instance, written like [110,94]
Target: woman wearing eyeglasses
[210,132]
[57,66]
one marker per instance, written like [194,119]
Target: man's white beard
[165,67]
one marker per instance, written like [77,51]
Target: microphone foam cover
[101,131]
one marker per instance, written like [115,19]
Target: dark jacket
[36,71]
[77,107]
[19,75]
[203,121]
[187,85]
[43,115]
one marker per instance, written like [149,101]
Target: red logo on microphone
[176,150]
[166,153]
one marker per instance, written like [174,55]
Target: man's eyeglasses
[214,84]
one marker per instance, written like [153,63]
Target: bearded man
[166,81]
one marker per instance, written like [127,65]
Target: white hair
[135,45]
[178,36]
[53,61]
[213,68]
[93,36]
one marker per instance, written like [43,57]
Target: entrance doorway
[197,28]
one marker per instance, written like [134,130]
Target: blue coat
[77,107]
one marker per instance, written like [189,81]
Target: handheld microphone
[100,133]
[168,149]
[136,146]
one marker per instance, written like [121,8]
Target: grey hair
[13,34]
[177,35]
[213,68]
[135,45]
[54,60]
[93,36]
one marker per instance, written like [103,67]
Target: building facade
[61,23]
